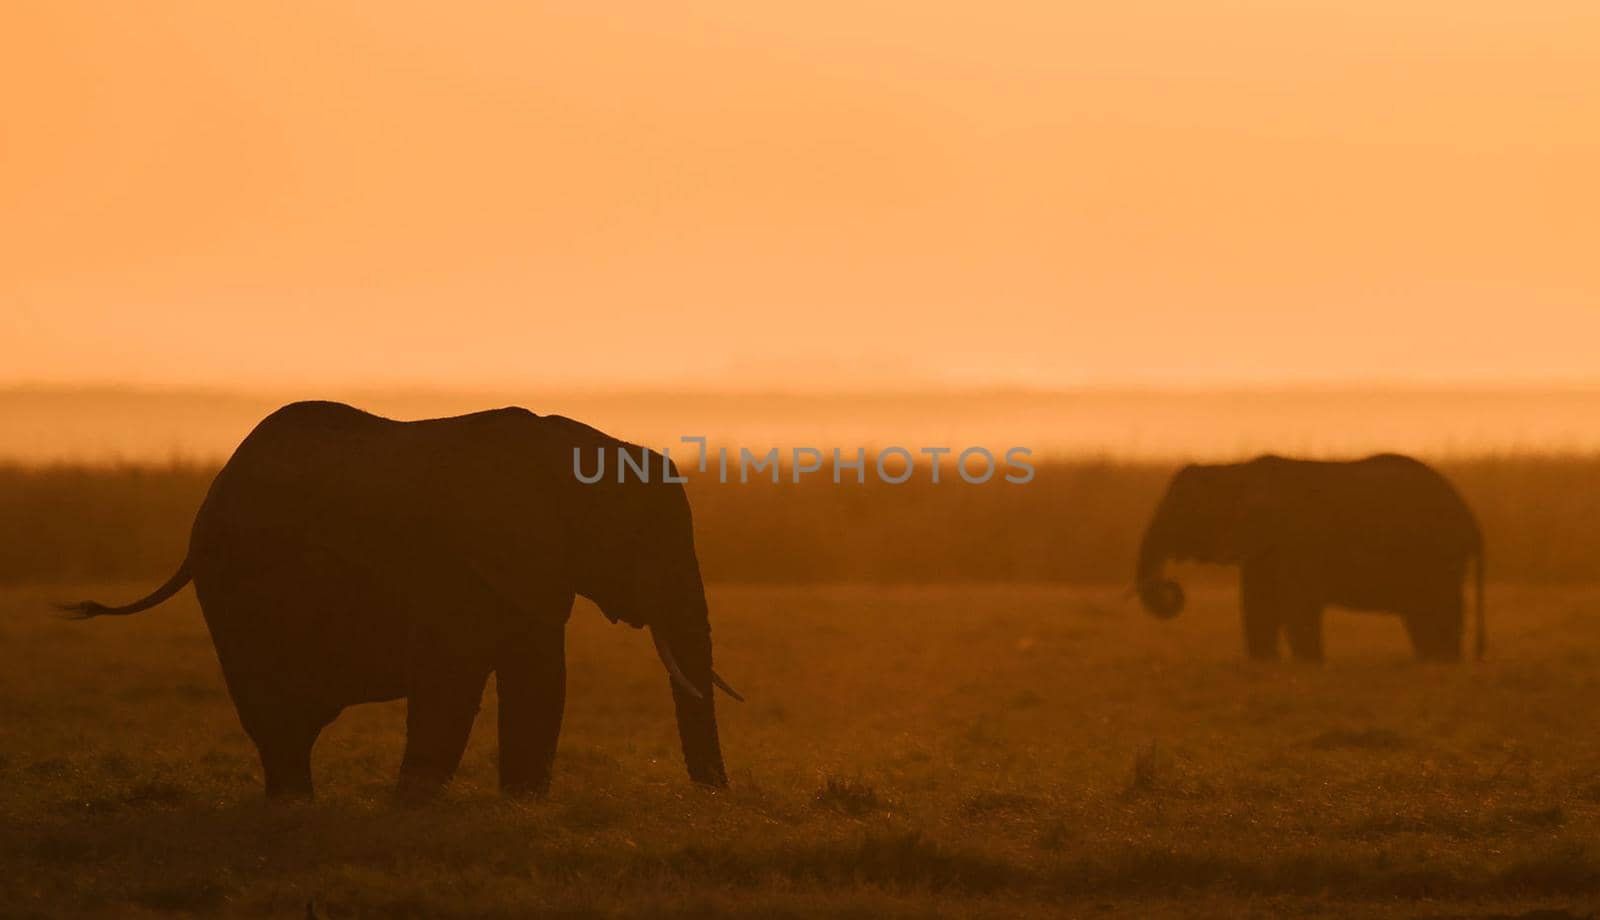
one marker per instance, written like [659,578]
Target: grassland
[1078,522]
[960,750]
[954,710]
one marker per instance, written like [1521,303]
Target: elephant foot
[526,789]
[714,777]
[287,768]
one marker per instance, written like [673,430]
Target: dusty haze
[154,425]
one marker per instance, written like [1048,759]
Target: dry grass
[961,751]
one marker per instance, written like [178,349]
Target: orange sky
[1044,193]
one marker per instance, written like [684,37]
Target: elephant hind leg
[284,734]
[1435,616]
[1303,626]
[1435,630]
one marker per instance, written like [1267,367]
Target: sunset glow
[846,194]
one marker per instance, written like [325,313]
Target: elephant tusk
[717,679]
[672,667]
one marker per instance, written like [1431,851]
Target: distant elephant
[1387,533]
[344,558]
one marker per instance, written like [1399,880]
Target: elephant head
[1207,515]
[633,554]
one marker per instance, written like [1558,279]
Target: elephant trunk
[1161,596]
[685,649]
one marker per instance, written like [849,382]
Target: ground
[961,751]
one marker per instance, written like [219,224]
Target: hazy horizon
[43,424]
[1105,230]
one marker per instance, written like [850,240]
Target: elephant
[340,558]
[1386,533]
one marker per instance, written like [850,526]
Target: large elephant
[342,558]
[1387,533]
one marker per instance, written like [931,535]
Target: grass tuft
[848,796]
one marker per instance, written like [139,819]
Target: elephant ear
[1260,518]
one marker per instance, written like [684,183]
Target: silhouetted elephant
[343,558]
[1387,533]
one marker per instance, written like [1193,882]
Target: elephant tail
[85,610]
[1481,639]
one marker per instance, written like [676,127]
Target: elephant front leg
[531,680]
[445,689]
[1259,603]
